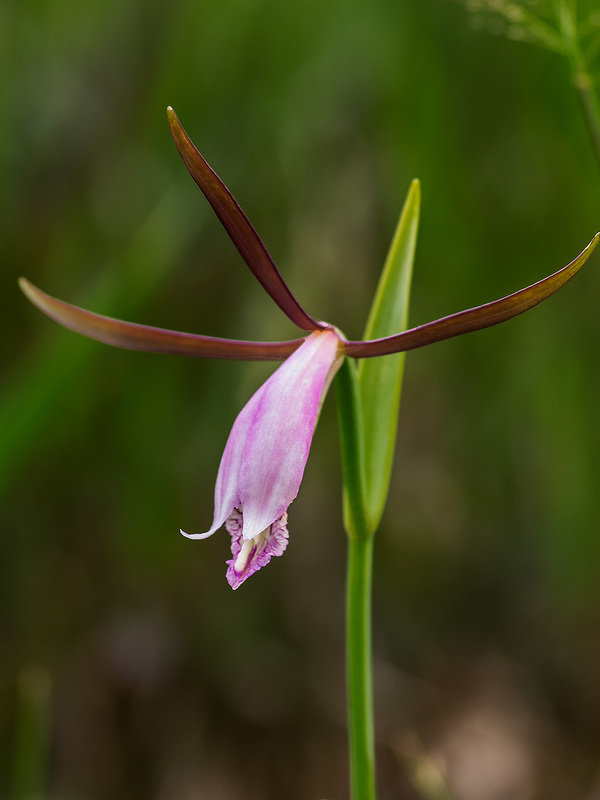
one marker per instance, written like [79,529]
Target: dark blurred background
[128,667]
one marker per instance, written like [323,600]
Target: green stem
[358,589]
[591,109]
[351,445]
[359,672]
[565,13]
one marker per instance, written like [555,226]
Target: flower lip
[249,555]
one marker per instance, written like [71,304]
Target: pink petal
[264,459]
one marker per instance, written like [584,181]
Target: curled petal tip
[196,535]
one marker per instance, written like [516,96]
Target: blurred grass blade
[132,336]
[37,407]
[380,379]
[31,747]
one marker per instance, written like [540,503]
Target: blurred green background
[128,667]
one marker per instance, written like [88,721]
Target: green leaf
[380,379]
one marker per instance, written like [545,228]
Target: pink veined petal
[284,415]
[265,455]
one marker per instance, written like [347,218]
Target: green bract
[380,379]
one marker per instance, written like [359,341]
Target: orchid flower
[266,453]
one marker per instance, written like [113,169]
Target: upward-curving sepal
[239,228]
[474,319]
[153,340]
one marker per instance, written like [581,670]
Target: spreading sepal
[239,228]
[474,319]
[131,336]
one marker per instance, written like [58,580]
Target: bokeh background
[128,667]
